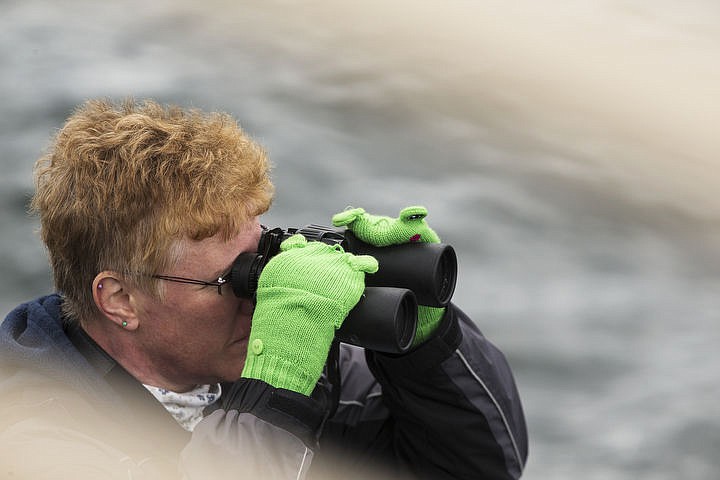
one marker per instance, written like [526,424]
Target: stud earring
[99,286]
[124,324]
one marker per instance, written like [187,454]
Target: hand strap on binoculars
[333,376]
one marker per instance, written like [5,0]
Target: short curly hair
[123,183]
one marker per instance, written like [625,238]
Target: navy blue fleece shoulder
[32,336]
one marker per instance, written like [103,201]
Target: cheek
[247,307]
[228,317]
[215,315]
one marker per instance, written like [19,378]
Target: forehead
[213,255]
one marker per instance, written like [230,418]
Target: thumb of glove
[363,263]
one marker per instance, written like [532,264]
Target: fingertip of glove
[413,213]
[295,241]
[347,216]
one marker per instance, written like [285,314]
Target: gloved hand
[379,231]
[410,226]
[304,293]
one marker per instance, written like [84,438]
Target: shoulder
[32,326]
[41,314]
[33,340]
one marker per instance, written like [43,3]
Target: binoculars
[385,318]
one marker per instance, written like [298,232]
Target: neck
[122,346]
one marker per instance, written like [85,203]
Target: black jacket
[448,409]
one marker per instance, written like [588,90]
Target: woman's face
[194,335]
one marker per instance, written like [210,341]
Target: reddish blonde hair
[121,184]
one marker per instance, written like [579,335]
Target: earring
[124,324]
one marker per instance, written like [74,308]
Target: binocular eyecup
[385,318]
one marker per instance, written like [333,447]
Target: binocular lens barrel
[428,269]
[384,320]
[245,273]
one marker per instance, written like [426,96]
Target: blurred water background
[569,151]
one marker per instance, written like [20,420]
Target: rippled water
[567,151]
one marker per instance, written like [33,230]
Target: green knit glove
[304,293]
[410,226]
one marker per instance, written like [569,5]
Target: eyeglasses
[222,280]
[217,283]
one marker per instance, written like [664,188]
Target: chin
[233,376]
[235,364]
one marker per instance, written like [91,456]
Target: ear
[112,298]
